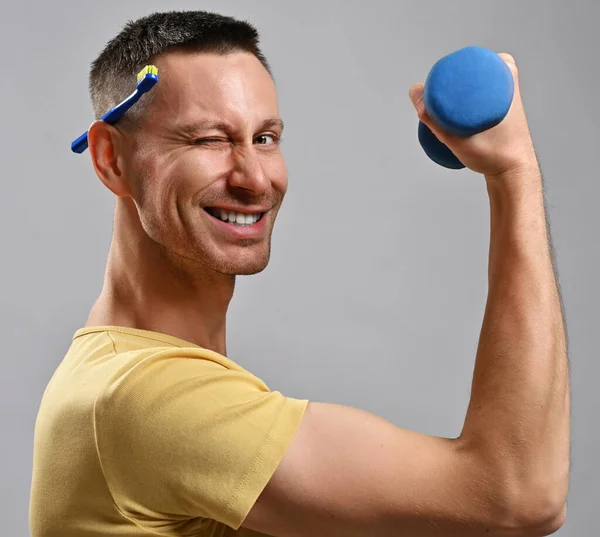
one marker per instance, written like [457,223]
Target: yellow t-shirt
[140,433]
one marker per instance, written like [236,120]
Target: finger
[512,64]
[416,93]
[508,58]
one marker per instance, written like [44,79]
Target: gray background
[376,289]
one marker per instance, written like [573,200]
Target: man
[147,428]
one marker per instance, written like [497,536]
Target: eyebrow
[207,125]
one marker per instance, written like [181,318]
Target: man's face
[209,176]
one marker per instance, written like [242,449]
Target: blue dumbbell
[466,92]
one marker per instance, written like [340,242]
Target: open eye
[267,139]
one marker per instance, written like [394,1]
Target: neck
[148,288]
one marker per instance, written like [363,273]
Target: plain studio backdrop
[377,284]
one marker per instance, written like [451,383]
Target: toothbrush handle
[466,92]
[81,144]
[112,116]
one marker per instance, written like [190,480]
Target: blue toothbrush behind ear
[466,92]
[147,78]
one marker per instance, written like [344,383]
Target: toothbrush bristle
[148,70]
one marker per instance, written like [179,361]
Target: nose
[248,172]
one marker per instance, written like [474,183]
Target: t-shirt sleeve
[181,438]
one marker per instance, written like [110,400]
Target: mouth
[235,218]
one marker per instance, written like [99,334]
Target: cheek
[180,178]
[276,170]
[165,184]
[194,171]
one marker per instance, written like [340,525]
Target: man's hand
[505,148]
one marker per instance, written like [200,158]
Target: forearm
[518,415]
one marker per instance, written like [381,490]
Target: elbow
[553,524]
[532,515]
[544,523]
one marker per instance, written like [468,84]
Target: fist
[506,147]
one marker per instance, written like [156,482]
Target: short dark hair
[113,73]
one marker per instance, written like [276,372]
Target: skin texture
[347,472]
[209,138]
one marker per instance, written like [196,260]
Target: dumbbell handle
[466,92]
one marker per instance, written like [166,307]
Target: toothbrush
[146,79]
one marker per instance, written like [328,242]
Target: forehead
[232,87]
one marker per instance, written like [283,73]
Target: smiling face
[209,176]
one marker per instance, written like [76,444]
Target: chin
[244,264]
[247,270]
[241,269]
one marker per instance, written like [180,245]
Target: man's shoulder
[133,368]
[100,345]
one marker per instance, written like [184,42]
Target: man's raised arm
[349,473]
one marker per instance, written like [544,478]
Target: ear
[106,145]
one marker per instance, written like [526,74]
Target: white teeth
[240,219]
